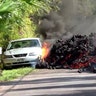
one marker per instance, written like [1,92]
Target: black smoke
[52,25]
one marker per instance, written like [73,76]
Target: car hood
[23,50]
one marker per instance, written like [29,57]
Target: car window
[34,43]
[24,44]
[15,45]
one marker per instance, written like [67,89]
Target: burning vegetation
[78,52]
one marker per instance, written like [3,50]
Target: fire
[45,50]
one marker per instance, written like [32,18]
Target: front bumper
[21,61]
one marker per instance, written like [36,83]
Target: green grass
[8,75]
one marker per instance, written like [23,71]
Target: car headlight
[8,56]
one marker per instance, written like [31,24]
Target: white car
[23,51]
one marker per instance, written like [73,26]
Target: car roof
[25,39]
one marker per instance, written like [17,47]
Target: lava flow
[76,52]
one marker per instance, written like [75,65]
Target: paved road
[52,83]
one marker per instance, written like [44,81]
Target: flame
[45,50]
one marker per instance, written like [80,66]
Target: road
[58,82]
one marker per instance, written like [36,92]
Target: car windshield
[24,44]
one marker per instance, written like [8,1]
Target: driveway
[45,82]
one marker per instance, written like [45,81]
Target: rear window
[23,44]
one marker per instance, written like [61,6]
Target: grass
[8,75]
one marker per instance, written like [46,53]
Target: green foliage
[8,75]
[8,6]
[15,18]
[8,18]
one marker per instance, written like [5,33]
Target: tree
[15,18]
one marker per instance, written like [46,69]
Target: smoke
[92,38]
[67,36]
[52,25]
[56,24]
[73,17]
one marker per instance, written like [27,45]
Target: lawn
[8,75]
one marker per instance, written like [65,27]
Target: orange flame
[45,50]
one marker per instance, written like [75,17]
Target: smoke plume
[74,17]
[52,25]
